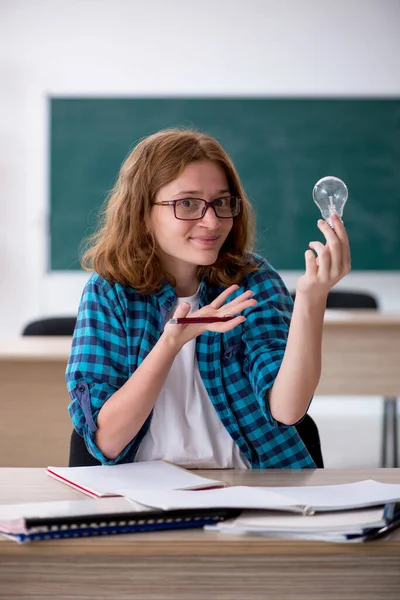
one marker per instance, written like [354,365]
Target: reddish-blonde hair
[124,249]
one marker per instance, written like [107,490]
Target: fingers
[341,233]
[182,310]
[236,305]
[335,247]
[324,259]
[182,333]
[240,303]
[224,327]
[311,263]
[174,332]
[220,300]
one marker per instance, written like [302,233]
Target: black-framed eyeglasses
[193,209]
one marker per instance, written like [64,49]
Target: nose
[210,219]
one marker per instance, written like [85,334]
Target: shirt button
[81,388]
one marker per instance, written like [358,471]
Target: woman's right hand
[178,335]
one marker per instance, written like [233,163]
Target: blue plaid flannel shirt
[117,327]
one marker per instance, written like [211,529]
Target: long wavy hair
[124,249]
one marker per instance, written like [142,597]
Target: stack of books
[157,495]
[360,525]
[353,512]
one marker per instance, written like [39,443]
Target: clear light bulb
[330,195]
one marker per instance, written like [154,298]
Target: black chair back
[347,300]
[51,326]
[308,431]
[79,455]
[351,300]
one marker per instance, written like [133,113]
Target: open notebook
[307,500]
[149,475]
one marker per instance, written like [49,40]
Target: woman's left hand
[331,263]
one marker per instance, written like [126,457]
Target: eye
[189,203]
[225,202]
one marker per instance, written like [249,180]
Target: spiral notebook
[41,521]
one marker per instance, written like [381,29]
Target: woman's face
[185,245]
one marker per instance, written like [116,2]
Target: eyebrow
[198,192]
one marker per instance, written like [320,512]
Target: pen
[391,512]
[369,536]
[391,515]
[183,320]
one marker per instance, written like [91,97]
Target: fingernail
[185,305]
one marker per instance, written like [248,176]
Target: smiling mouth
[205,240]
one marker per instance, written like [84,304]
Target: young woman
[176,241]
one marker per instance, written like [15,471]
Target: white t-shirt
[185,428]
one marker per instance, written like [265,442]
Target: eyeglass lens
[194,208]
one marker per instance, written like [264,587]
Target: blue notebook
[85,518]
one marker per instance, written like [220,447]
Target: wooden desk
[361,356]
[194,564]
[35,426]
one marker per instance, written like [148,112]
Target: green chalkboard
[280,147]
